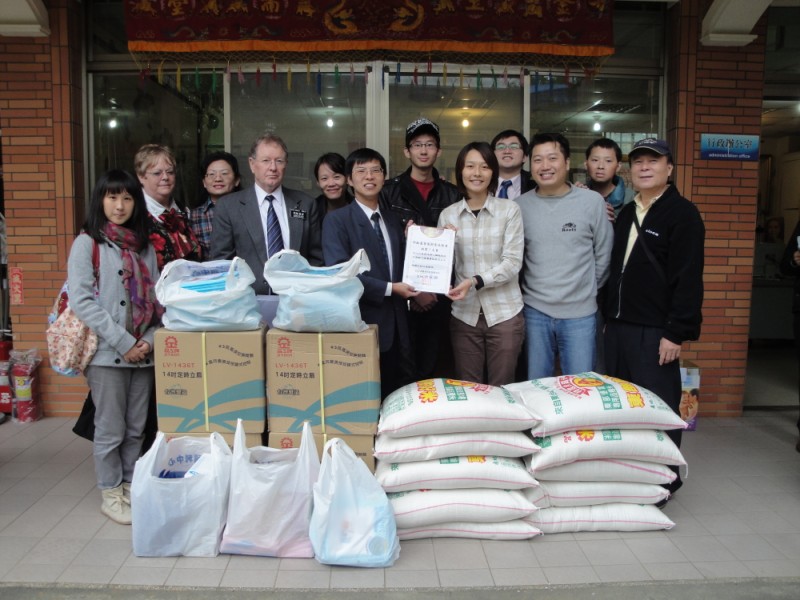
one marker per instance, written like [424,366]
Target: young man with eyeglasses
[511,149]
[365,224]
[259,221]
[420,195]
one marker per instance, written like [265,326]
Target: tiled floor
[737,516]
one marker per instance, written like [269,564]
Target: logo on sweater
[569,227]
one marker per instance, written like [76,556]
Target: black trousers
[430,340]
[632,355]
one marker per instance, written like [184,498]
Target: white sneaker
[116,506]
[126,491]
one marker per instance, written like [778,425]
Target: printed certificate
[429,258]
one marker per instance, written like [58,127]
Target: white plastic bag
[270,500]
[210,296]
[316,299]
[179,509]
[352,523]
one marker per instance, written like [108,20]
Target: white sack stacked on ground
[646,445]
[421,508]
[601,517]
[589,493]
[609,469]
[449,454]
[593,401]
[511,444]
[452,406]
[521,529]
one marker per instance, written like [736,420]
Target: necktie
[274,237]
[376,225]
[504,189]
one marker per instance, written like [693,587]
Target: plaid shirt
[490,245]
[200,220]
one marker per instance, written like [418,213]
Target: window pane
[106,29]
[313,117]
[463,113]
[129,112]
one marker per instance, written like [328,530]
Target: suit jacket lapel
[370,241]
[252,220]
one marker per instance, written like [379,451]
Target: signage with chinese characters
[722,146]
[16,291]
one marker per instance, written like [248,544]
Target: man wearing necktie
[363,224]
[259,221]
[511,149]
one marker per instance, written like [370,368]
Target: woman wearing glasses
[220,177]
[170,234]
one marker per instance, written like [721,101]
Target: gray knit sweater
[568,243]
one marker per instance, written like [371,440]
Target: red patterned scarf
[145,310]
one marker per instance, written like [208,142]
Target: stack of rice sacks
[449,456]
[604,453]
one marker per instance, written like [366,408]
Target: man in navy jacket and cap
[655,287]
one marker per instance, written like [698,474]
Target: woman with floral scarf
[117,301]
[171,235]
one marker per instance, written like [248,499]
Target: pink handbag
[70,343]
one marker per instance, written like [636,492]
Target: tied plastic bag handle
[177,268]
[288,268]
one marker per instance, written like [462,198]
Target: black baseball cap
[654,145]
[420,127]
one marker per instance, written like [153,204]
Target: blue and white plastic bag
[353,522]
[316,299]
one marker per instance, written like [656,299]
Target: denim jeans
[572,339]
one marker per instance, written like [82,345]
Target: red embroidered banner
[556,27]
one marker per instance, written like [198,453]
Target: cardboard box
[207,380]
[362,445]
[346,366]
[690,394]
[250,439]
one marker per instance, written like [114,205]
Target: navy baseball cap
[659,147]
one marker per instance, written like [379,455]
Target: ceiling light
[329,122]
[465,123]
[596,126]
[112,124]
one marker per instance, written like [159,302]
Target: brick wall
[42,138]
[717,90]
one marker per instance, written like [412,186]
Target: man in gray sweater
[568,240]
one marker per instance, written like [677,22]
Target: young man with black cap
[420,195]
[655,289]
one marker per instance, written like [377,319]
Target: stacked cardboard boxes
[331,380]
[205,381]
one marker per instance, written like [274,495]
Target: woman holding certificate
[487,329]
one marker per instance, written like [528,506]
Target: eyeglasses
[160,174]
[362,171]
[278,162]
[214,174]
[502,147]
[421,145]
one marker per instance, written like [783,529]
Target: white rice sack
[648,445]
[593,401]
[507,530]
[588,493]
[602,517]
[609,469]
[455,472]
[512,444]
[420,508]
[452,406]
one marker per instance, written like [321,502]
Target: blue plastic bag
[352,523]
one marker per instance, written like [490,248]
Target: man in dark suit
[362,224]
[259,221]
[511,149]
